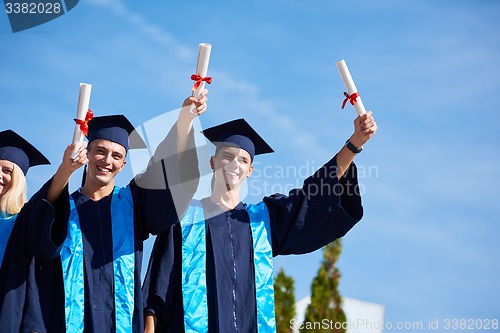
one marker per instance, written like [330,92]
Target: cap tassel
[84,174]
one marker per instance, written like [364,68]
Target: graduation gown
[154,211]
[19,302]
[323,210]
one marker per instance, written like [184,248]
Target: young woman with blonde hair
[18,236]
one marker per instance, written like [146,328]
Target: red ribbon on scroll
[351,98]
[84,124]
[198,79]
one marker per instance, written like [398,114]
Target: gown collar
[80,198]
[212,209]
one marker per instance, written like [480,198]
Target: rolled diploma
[201,68]
[81,112]
[349,85]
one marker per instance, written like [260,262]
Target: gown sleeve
[164,190]
[33,316]
[48,223]
[324,209]
[162,286]
[32,320]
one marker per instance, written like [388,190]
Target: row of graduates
[72,262]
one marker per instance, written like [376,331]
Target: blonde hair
[15,198]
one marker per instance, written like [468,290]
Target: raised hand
[364,128]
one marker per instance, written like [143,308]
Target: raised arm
[49,208]
[65,170]
[164,190]
[327,206]
[364,128]
[186,117]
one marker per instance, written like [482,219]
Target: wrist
[64,171]
[353,147]
[357,142]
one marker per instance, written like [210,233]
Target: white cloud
[155,32]
[253,103]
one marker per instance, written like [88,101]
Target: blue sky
[427,247]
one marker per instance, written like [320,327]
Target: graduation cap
[116,128]
[16,149]
[238,133]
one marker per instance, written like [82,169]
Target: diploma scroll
[201,77]
[352,94]
[81,115]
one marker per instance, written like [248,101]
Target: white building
[362,317]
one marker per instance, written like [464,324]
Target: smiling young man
[90,280]
[105,159]
[212,271]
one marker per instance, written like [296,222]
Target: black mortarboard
[116,128]
[16,149]
[238,133]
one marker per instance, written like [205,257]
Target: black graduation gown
[300,223]
[19,301]
[154,211]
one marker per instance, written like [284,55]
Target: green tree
[284,302]
[326,302]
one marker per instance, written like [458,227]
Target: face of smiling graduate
[12,188]
[6,171]
[231,165]
[106,160]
